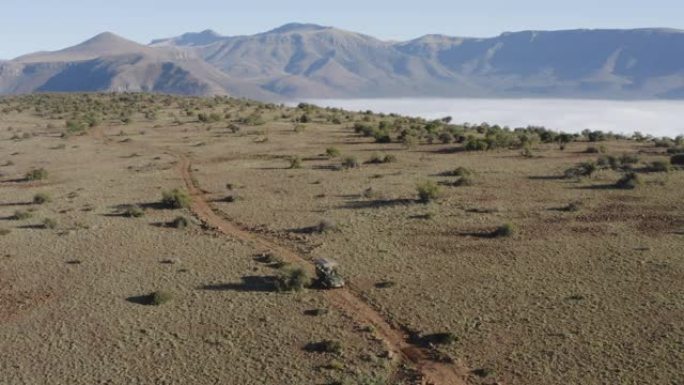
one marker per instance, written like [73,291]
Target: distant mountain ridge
[313,61]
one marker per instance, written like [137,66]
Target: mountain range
[312,61]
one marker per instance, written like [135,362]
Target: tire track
[430,371]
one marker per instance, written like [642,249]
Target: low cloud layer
[658,118]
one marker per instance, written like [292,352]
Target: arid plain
[524,264]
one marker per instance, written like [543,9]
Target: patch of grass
[41,198]
[175,199]
[36,174]
[350,162]
[295,162]
[584,169]
[659,166]
[505,230]
[335,365]
[294,279]
[20,215]
[159,298]
[325,346]
[427,191]
[133,211]
[332,152]
[380,159]
[572,207]
[49,223]
[5,232]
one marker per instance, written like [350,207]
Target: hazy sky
[32,25]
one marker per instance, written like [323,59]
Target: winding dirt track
[432,372]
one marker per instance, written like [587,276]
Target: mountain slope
[110,63]
[312,61]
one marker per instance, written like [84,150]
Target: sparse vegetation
[175,199]
[158,298]
[133,211]
[21,215]
[350,162]
[428,191]
[36,174]
[584,169]
[629,180]
[292,279]
[295,162]
[332,152]
[505,230]
[49,223]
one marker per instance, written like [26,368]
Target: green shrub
[659,166]
[332,152]
[584,169]
[350,162]
[179,223]
[474,144]
[460,171]
[37,174]
[41,198]
[427,191]
[295,162]
[175,199]
[505,230]
[294,279]
[159,298]
[446,137]
[49,223]
[379,159]
[628,181]
[133,211]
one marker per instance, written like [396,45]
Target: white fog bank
[658,118]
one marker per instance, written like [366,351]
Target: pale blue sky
[32,25]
